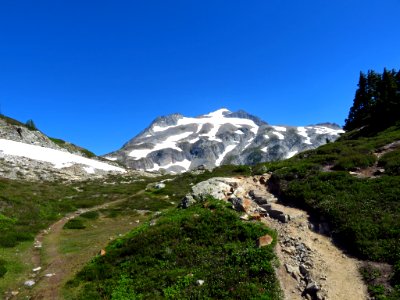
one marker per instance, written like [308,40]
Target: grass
[17,264]
[167,259]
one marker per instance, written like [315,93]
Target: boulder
[187,201]
[159,185]
[264,240]
[245,205]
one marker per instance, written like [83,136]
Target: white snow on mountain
[216,118]
[228,149]
[279,135]
[303,132]
[170,142]
[58,158]
[176,143]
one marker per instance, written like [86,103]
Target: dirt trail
[53,272]
[307,257]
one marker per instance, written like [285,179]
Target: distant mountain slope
[27,153]
[177,143]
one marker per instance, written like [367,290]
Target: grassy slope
[205,242]
[364,213]
[28,207]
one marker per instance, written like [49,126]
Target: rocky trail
[311,266]
[50,274]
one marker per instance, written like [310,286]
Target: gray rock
[187,201]
[29,283]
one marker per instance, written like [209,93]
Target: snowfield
[58,158]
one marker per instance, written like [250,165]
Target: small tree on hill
[31,125]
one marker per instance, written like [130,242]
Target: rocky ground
[311,266]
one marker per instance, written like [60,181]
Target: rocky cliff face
[176,143]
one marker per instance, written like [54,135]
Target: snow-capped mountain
[176,143]
[29,154]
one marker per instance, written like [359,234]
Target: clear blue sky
[97,72]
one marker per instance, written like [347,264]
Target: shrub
[90,215]
[3,269]
[75,223]
[355,161]
[30,125]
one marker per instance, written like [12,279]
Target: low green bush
[3,269]
[75,223]
[391,162]
[355,161]
[90,215]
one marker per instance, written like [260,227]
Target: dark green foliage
[377,101]
[205,242]
[75,223]
[391,162]
[90,215]
[355,161]
[31,125]
[3,269]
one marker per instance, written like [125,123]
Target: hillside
[352,189]
[27,153]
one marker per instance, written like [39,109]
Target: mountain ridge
[176,143]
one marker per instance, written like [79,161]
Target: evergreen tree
[359,104]
[377,101]
[30,124]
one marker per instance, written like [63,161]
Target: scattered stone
[244,217]
[264,240]
[159,185]
[14,293]
[103,252]
[48,275]
[263,180]
[137,221]
[255,216]
[200,282]
[187,201]
[303,270]
[36,269]
[312,288]
[153,222]
[29,283]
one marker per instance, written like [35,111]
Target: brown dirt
[336,273]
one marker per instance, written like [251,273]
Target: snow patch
[228,149]
[303,132]
[291,153]
[279,135]
[279,128]
[59,159]
[184,164]
[265,149]
[170,142]
[110,158]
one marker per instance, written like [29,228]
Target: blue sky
[98,72]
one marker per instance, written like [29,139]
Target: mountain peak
[219,113]
[177,143]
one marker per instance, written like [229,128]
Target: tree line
[377,101]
